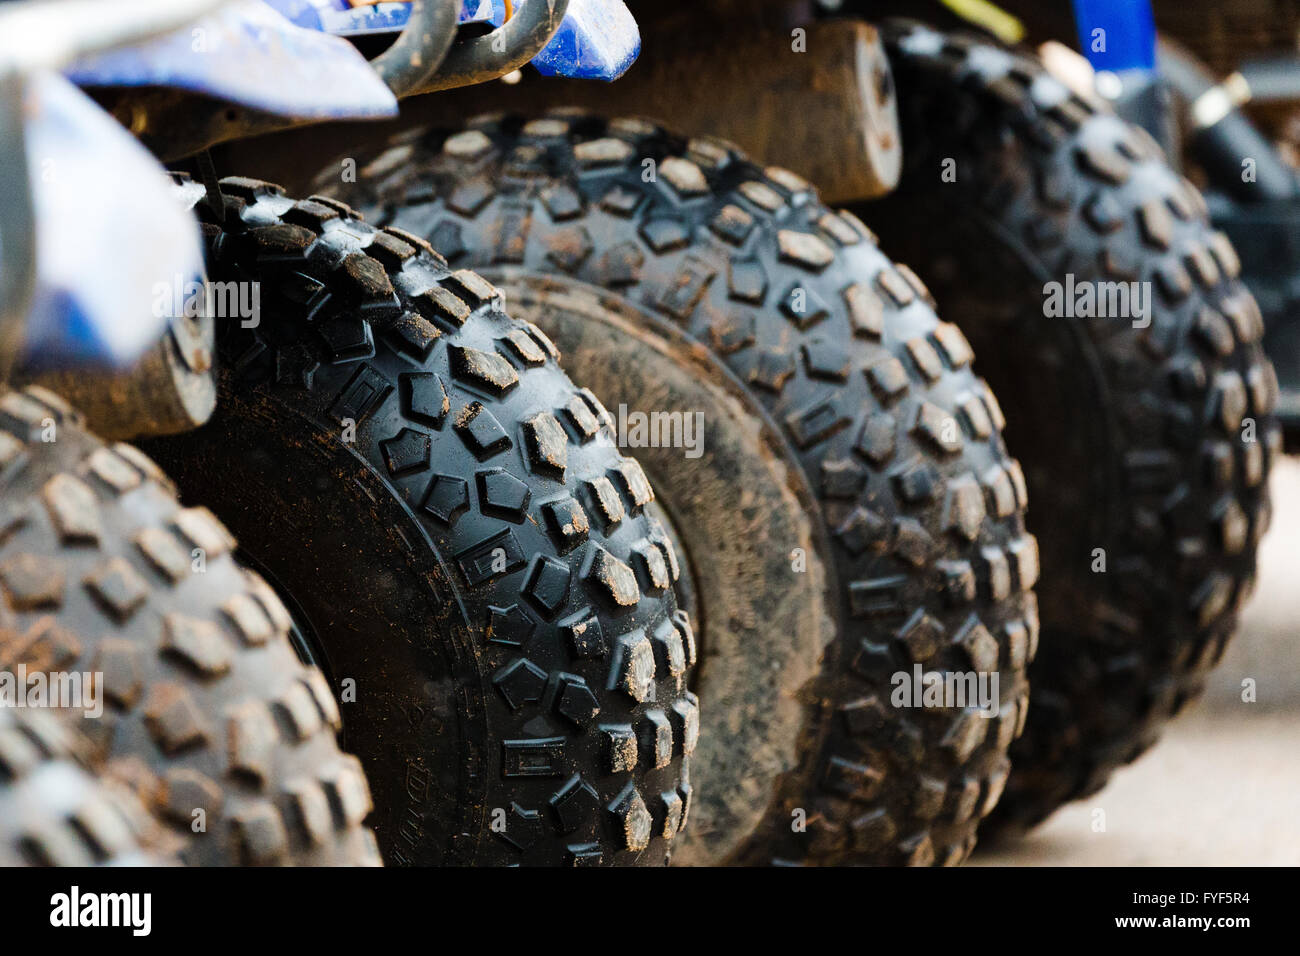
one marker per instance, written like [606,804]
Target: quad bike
[492,591]
[213,743]
[853,512]
[1155,442]
[376,343]
[437,519]
[1217,87]
[1147,436]
[418,488]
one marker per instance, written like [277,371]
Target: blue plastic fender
[117,253]
[598,39]
[1116,35]
[249,53]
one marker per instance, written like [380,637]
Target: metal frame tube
[503,50]
[1223,136]
[414,58]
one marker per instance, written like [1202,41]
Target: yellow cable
[984,14]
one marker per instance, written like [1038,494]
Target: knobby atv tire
[207,712]
[871,392]
[464,545]
[1146,450]
[54,813]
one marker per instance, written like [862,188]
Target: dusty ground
[1223,786]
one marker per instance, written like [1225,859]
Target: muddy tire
[1151,444]
[207,712]
[54,813]
[463,545]
[879,424]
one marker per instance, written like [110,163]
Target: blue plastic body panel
[1128,40]
[344,19]
[250,54]
[598,39]
[116,249]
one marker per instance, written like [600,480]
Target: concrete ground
[1222,788]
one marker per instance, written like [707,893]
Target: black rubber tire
[467,560]
[205,704]
[54,813]
[1132,438]
[735,516]
[932,559]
